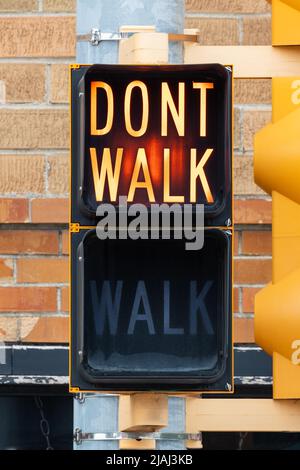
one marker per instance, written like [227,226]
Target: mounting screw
[80,259]
[228,222]
[228,387]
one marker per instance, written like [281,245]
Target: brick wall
[37,43]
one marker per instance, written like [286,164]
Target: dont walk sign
[151,228]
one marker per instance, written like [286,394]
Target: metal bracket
[96,36]
[74,227]
[80,436]
[80,397]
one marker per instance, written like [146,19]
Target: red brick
[248,298]
[13,210]
[236,243]
[28,299]
[50,210]
[28,241]
[258,242]
[236,300]
[243,330]
[252,211]
[42,270]
[65,243]
[6,269]
[45,330]
[252,271]
[65,299]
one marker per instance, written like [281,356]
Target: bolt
[228,222]
[228,387]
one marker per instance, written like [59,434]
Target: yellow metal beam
[236,415]
[248,61]
[142,412]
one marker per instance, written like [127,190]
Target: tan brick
[257,242]
[6,270]
[47,128]
[51,36]
[44,330]
[13,210]
[244,176]
[8,329]
[66,6]
[21,174]
[28,241]
[257,31]
[243,330]
[248,298]
[223,6]
[65,243]
[24,83]
[252,271]
[58,174]
[237,136]
[253,122]
[18,6]
[60,83]
[52,210]
[28,299]
[42,270]
[249,91]
[215,31]
[65,299]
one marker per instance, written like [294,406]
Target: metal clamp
[80,397]
[96,36]
[80,436]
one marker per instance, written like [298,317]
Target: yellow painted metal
[288,385]
[249,61]
[146,412]
[242,414]
[277,171]
[285,96]
[285,22]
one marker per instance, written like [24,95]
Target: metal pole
[100,413]
[108,15]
